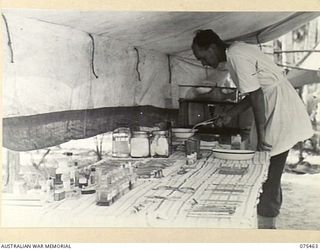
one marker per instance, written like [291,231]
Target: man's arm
[256,100]
[242,106]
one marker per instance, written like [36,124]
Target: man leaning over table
[280,117]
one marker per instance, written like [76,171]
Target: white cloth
[286,115]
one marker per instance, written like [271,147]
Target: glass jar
[121,142]
[159,146]
[139,144]
[192,145]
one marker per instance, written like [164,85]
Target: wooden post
[12,168]
[183,113]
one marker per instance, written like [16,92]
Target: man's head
[208,48]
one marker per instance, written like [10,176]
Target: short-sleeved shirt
[287,121]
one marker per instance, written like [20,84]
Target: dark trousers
[271,197]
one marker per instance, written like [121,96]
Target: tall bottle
[50,190]
[92,177]
[76,174]
[169,127]
[65,176]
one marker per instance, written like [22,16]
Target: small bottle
[62,180]
[83,182]
[92,178]
[58,175]
[84,178]
[236,142]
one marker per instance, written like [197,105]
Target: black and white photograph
[160,119]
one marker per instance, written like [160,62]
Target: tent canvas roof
[172,32]
[75,74]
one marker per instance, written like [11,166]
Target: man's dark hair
[204,38]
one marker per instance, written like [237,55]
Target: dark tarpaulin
[46,130]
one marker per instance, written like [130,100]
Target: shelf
[205,86]
[207,101]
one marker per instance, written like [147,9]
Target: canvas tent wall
[71,75]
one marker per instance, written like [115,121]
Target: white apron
[287,121]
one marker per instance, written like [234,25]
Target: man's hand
[257,103]
[223,120]
[263,146]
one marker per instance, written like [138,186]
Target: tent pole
[12,169]
[296,51]
[295,67]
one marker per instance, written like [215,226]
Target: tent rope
[9,37]
[138,62]
[258,40]
[92,57]
[169,68]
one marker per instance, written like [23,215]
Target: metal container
[183,133]
[139,144]
[121,142]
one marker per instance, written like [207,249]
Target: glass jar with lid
[139,144]
[121,142]
[160,146]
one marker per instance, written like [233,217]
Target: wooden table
[199,197]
